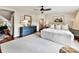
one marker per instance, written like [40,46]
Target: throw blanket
[59,36]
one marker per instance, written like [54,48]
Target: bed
[31,44]
[59,36]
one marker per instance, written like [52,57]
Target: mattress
[31,44]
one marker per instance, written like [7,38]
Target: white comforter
[30,44]
[58,36]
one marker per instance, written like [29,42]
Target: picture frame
[29,18]
[58,18]
[21,20]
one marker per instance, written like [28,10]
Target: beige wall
[68,17]
[76,22]
[17,20]
[17,15]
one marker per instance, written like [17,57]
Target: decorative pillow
[65,27]
[58,26]
[52,26]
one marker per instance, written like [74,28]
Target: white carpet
[30,44]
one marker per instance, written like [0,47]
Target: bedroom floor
[5,40]
[75,44]
[38,34]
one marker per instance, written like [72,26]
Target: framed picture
[21,20]
[28,18]
[58,18]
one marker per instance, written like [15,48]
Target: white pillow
[65,26]
[58,26]
[52,26]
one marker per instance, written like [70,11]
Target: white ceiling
[55,9]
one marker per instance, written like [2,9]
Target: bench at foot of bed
[68,50]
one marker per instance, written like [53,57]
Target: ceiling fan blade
[47,9]
[43,9]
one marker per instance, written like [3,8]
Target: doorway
[7,17]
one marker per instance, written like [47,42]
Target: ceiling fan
[43,9]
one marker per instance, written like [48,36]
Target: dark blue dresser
[24,31]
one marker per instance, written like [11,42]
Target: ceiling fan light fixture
[42,12]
